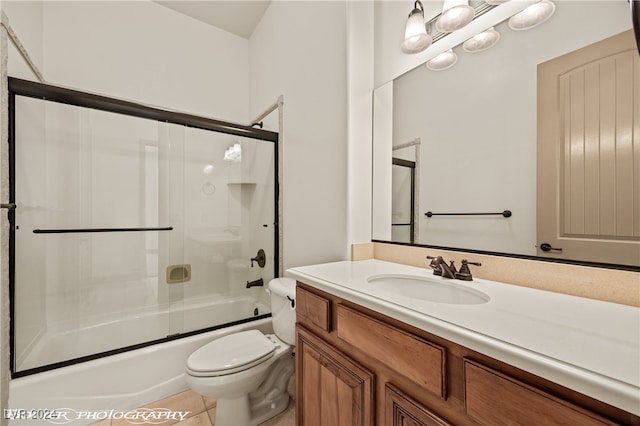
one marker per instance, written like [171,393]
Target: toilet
[248,372]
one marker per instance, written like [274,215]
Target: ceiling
[239,17]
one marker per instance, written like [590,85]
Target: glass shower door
[130,230]
[229,215]
[86,226]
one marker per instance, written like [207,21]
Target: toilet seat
[231,354]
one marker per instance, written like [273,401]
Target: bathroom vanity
[386,344]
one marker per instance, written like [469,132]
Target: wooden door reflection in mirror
[589,153]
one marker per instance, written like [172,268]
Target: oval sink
[425,288]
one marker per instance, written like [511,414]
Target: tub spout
[256,283]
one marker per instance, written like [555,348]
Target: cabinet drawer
[493,398]
[313,308]
[401,409]
[411,356]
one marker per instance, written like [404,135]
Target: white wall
[299,51]
[382,154]
[26,19]
[360,50]
[142,51]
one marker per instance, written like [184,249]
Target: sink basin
[425,288]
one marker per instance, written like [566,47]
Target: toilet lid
[232,353]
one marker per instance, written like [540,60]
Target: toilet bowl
[248,372]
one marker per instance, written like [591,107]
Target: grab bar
[79,230]
[506,213]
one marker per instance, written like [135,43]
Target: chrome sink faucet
[441,268]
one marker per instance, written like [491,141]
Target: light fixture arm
[417,8]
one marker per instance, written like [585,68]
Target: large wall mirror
[472,132]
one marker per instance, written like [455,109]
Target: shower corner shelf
[240,183]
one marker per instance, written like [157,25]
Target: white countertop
[587,345]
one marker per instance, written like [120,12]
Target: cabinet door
[332,390]
[495,399]
[402,410]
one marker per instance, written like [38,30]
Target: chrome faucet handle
[465,273]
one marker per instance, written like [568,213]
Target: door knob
[547,247]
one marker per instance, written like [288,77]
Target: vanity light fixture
[416,38]
[482,41]
[455,15]
[532,16]
[443,61]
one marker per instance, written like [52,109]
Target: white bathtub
[62,342]
[123,381]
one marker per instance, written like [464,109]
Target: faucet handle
[261,258]
[437,270]
[465,273]
[452,267]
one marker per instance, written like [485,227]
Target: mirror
[477,127]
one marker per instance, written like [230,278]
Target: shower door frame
[46,92]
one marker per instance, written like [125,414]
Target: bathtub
[126,380]
[62,342]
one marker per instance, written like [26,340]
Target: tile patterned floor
[202,412]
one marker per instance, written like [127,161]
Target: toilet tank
[283,295]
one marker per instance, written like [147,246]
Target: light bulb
[532,16]
[443,61]
[482,41]
[455,15]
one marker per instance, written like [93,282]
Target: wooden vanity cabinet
[331,388]
[402,410]
[358,367]
[496,399]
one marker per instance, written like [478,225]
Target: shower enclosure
[132,225]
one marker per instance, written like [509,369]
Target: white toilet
[248,372]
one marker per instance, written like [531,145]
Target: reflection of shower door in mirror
[589,153]
[402,200]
